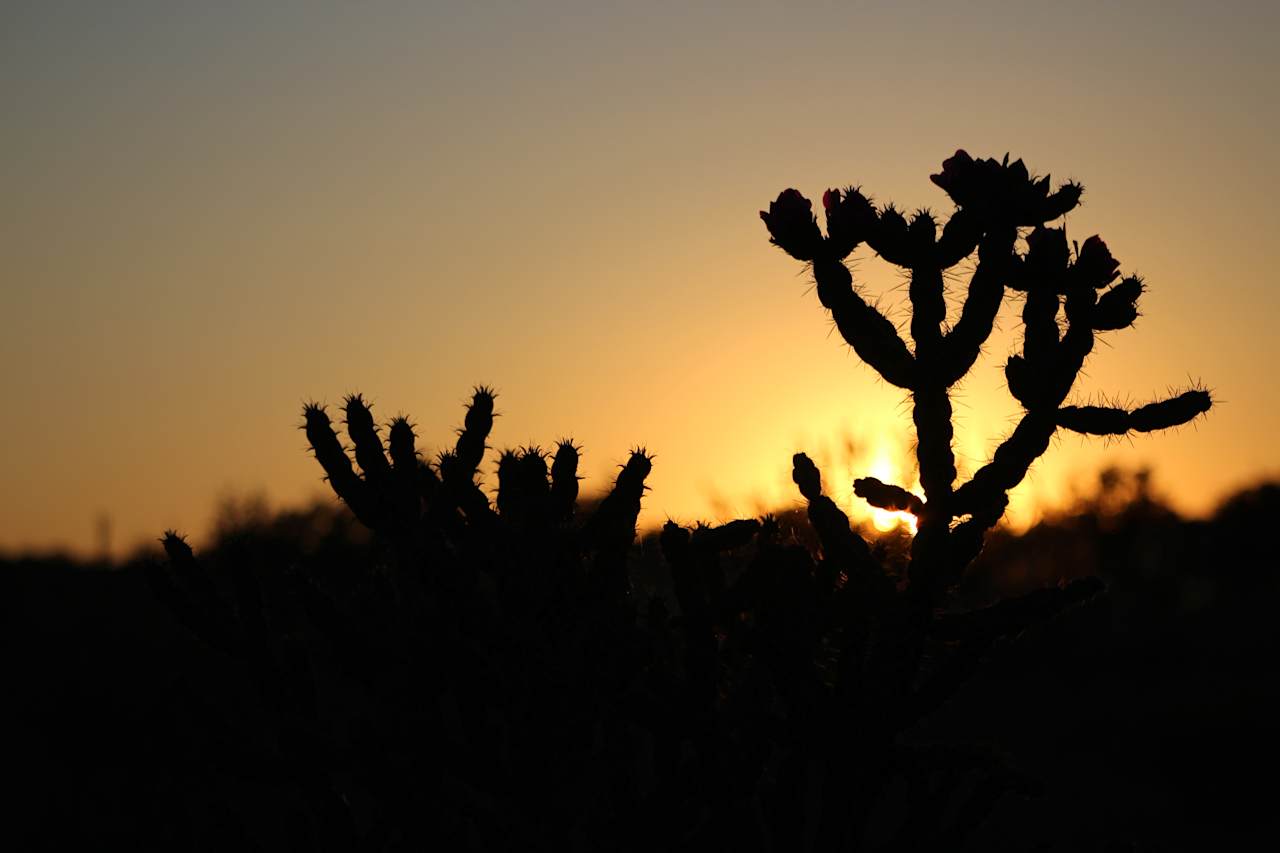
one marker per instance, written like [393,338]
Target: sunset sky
[213,212]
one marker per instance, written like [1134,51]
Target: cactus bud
[792,225]
[958,177]
[1094,267]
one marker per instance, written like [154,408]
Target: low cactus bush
[491,680]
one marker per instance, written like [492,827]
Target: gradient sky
[213,212]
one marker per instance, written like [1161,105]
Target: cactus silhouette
[994,199]
[490,679]
[900,653]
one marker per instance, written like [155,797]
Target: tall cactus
[900,653]
[996,202]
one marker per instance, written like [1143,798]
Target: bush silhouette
[489,679]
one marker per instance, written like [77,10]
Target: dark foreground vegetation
[508,669]
[1142,719]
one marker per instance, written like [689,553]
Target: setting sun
[884,469]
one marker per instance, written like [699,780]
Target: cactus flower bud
[792,225]
[956,177]
[1095,267]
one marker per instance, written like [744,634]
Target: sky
[212,213]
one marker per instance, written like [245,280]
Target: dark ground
[1147,714]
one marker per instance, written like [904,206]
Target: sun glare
[884,469]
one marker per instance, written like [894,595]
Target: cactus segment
[1108,420]
[476,427]
[364,435]
[886,496]
[564,478]
[873,337]
[335,462]
[401,442]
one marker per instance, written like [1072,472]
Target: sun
[883,468]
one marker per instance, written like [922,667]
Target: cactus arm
[564,479]
[475,430]
[337,465]
[405,485]
[886,496]
[508,475]
[1108,420]
[364,435]
[872,336]
[926,291]
[841,546]
[851,218]
[960,236]
[612,529]
[401,441]
[1008,465]
[978,314]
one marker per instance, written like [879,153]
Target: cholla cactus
[899,653]
[994,201]
[412,502]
